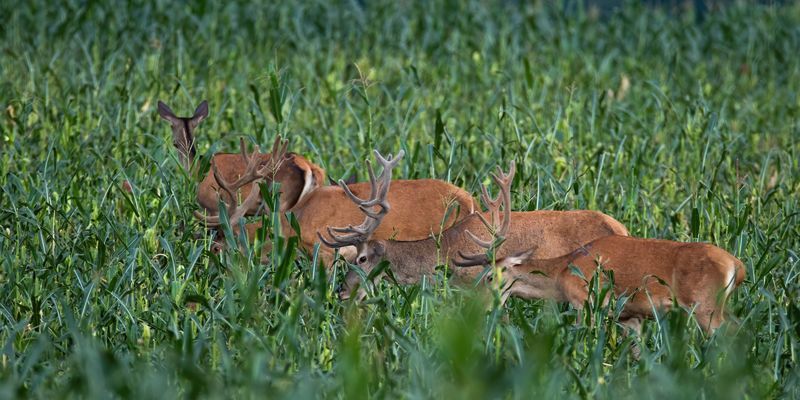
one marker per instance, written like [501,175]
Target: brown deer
[700,276]
[553,232]
[302,191]
[297,175]
[183,130]
[256,168]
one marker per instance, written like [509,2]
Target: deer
[649,272]
[183,130]
[303,192]
[297,175]
[552,233]
[256,168]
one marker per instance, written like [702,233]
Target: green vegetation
[682,126]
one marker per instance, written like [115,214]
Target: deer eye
[362,259]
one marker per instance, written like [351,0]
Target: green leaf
[574,270]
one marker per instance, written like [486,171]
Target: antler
[503,199]
[354,235]
[253,171]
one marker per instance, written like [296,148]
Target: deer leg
[632,326]
[709,318]
[709,306]
[574,290]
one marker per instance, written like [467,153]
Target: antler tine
[277,144]
[333,245]
[214,221]
[502,179]
[504,182]
[384,180]
[252,173]
[489,202]
[389,162]
[249,175]
[252,170]
[503,199]
[243,147]
[224,185]
[373,187]
[380,186]
[384,206]
[277,155]
[337,242]
[210,220]
[359,230]
[236,213]
[379,190]
[470,260]
[480,242]
[352,236]
[492,207]
[250,162]
[251,200]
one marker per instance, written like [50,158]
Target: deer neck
[411,260]
[539,279]
[454,239]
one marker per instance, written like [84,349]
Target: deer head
[368,253]
[183,130]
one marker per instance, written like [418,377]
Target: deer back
[418,209]
[547,233]
[635,260]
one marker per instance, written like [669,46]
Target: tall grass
[104,292]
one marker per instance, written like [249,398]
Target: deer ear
[301,177]
[166,113]
[200,113]
[514,260]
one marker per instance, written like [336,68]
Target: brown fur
[696,274]
[291,175]
[551,233]
[324,206]
[548,233]
[407,219]
[315,205]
